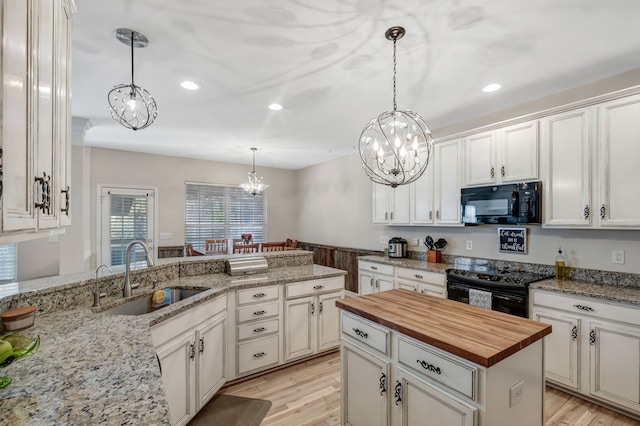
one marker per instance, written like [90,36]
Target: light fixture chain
[395,107]
[132,83]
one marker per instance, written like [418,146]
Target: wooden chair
[273,246]
[237,241]
[246,248]
[291,244]
[190,251]
[215,246]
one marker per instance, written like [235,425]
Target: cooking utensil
[440,244]
[429,242]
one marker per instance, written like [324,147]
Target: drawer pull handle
[259,295]
[584,308]
[201,345]
[398,393]
[574,332]
[375,268]
[318,287]
[258,313]
[429,367]
[192,349]
[592,337]
[360,333]
[259,330]
[383,383]
[418,276]
[259,355]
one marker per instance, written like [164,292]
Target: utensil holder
[434,256]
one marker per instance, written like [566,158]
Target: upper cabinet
[391,205]
[36,40]
[508,154]
[447,183]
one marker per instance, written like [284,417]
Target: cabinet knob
[383,384]
[492,172]
[603,212]
[386,216]
[502,173]
[313,308]
[418,276]
[391,215]
[321,307]
[586,212]
[438,214]
[430,215]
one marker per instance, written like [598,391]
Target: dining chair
[237,241]
[291,244]
[215,246]
[273,246]
[190,251]
[246,248]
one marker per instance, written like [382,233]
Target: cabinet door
[299,327]
[380,203]
[480,159]
[406,285]
[178,377]
[365,388]
[433,290]
[63,106]
[211,342]
[427,405]
[568,190]
[447,181]
[384,283]
[561,348]
[618,153]
[421,197]
[400,205]
[18,125]
[518,152]
[614,360]
[328,321]
[366,282]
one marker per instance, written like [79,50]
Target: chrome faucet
[96,295]
[126,288]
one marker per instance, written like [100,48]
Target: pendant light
[255,185]
[131,105]
[395,146]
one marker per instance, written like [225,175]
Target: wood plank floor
[308,394]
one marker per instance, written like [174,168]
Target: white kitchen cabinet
[601,338]
[421,194]
[374,277]
[508,154]
[312,321]
[566,140]
[391,205]
[35,115]
[618,172]
[447,183]
[425,282]
[191,349]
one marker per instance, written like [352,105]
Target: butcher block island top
[478,335]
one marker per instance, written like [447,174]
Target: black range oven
[504,290]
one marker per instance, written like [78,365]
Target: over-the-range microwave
[511,204]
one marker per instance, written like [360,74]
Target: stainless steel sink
[144,305]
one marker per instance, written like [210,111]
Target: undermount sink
[144,305]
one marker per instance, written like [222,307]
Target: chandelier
[255,185]
[131,105]
[395,146]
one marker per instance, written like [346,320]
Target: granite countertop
[614,293]
[422,265]
[95,368]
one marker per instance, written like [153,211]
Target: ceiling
[328,63]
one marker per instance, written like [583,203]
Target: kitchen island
[410,358]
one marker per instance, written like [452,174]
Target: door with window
[126,214]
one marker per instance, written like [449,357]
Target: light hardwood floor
[308,394]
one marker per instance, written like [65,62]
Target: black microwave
[510,204]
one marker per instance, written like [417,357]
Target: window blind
[220,211]
[128,222]
[8,263]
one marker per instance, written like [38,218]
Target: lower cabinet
[425,282]
[594,348]
[191,350]
[311,318]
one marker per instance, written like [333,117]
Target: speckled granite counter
[613,293]
[95,368]
[422,265]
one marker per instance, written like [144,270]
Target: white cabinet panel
[518,152]
[447,199]
[480,159]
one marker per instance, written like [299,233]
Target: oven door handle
[457,287]
[510,298]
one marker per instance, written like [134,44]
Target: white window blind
[128,223]
[219,211]
[8,263]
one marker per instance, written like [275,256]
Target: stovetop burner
[498,276]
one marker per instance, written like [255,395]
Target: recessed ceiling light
[275,107]
[491,87]
[189,85]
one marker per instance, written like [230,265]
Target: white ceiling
[328,63]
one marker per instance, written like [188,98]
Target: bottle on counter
[560,264]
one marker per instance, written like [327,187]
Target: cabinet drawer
[422,276]
[309,288]
[257,294]
[259,311]
[366,332]
[587,306]
[439,367]
[377,268]
[256,354]
[257,328]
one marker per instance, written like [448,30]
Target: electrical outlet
[415,242]
[516,393]
[617,256]
[469,245]
[384,239]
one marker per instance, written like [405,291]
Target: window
[220,211]
[8,263]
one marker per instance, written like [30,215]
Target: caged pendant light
[131,105]
[395,146]
[255,185]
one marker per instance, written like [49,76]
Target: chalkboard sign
[513,240]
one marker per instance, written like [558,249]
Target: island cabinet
[191,350]
[594,349]
[312,320]
[414,359]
